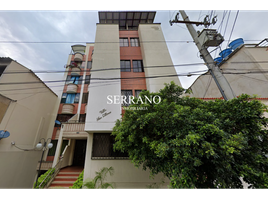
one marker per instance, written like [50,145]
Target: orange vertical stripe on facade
[131,53]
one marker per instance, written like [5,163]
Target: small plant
[98,181]
[42,177]
[79,182]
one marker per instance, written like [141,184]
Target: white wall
[29,119]
[156,54]
[126,175]
[245,60]
[106,56]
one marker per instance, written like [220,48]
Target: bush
[42,177]
[79,182]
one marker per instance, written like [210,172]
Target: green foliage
[79,182]
[42,177]
[196,143]
[98,181]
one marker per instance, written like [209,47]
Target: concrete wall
[156,54]
[126,175]
[106,56]
[29,119]
[245,60]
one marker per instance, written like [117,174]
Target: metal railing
[51,175]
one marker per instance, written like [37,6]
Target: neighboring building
[245,68]
[27,112]
[128,53]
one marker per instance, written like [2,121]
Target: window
[103,147]
[82,118]
[125,66]
[134,42]
[85,97]
[64,117]
[87,80]
[70,98]
[76,98]
[126,96]
[74,79]
[137,66]
[52,151]
[89,64]
[137,93]
[123,42]
[63,98]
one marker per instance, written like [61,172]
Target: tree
[196,143]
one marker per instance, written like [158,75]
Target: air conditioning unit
[210,38]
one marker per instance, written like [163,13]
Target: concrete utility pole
[220,80]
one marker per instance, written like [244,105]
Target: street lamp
[44,145]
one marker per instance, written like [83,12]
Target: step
[69,173]
[62,182]
[58,187]
[65,179]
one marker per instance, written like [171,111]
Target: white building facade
[129,48]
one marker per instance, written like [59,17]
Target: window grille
[137,93]
[103,147]
[137,66]
[134,42]
[126,94]
[123,42]
[125,66]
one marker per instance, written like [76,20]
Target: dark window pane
[126,94]
[134,42]
[137,93]
[89,64]
[63,98]
[85,97]
[103,146]
[123,42]
[76,99]
[137,66]
[87,81]
[125,66]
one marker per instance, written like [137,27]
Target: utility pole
[220,80]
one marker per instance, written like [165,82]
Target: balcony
[75,71]
[78,57]
[67,109]
[71,88]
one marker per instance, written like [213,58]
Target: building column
[88,160]
[57,154]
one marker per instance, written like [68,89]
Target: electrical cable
[66,42]
[232,29]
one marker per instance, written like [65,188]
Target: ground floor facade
[93,151]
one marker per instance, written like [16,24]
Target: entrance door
[79,152]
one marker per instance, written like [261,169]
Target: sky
[67,27]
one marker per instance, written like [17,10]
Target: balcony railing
[75,71]
[67,109]
[78,57]
[71,88]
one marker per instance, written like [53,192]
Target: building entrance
[79,152]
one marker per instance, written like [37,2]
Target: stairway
[66,177]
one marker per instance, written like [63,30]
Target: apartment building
[27,114]
[128,54]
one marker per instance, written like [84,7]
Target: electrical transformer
[210,38]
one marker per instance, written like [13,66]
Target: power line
[233,28]
[158,66]
[69,42]
[95,70]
